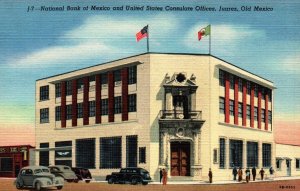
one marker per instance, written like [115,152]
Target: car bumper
[52,185]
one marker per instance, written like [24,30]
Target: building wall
[284,153]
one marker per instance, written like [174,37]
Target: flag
[204,32]
[143,33]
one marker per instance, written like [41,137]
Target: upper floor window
[92,78]
[221,105]
[248,87]
[69,88]
[44,115]
[132,103]
[231,107]
[57,113]
[117,75]
[270,117]
[269,94]
[263,115]
[69,112]
[221,78]
[104,106]
[92,108]
[240,110]
[231,79]
[80,84]
[79,110]
[255,90]
[57,90]
[118,105]
[104,78]
[255,113]
[240,85]
[44,93]
[262,93]
[132,74]
[248,111]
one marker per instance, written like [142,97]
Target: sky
[37,44]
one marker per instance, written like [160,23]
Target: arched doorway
[180,158]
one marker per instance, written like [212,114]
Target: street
[287,185]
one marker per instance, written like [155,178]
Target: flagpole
[209,39]
[148,39]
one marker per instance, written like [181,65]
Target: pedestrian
[210,175]
[234,172]
[254,173]
[160,175]
[240,174]
[164,176]
[271,170]
[262,172]
[247,172]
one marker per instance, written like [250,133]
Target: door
[180,159]
[288,167]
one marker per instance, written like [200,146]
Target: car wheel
[76,180]
[59,187]
[19,185]
[38,186]
[87,181]
[111,180]
[145,183]
[134,181]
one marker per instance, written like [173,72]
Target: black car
[82,174]
[129,175]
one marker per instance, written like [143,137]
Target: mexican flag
[204,32]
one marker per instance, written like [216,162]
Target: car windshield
[40,170]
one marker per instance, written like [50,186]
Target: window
[255,113]
[69,112]
[44,115]
[79,110]
[44,154]
[57,113]
[118,105]
[222,153]
[104,107]
[269,92]
[57,90]
[240,85]
[231,79]
[142,155]
[248,111]
[221,78]
[262,93]
[80,84]
[92,78]
[215,156]
[255,90]
[231,107]
[263,115]
[132,75]
[92,108]
[252,154]
[222,105]
[248,87]
[270,117]
[6,164]
[44,93]
[63,156]
[104,78]
[117,75]
[132,103]
[236,153]
[297,163]
[69,88]
[85,153]
[131,151]
[278,164]
[240,110]
[266,155]
[110,152]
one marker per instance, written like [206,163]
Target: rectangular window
[231,107]
[222,153]
[85,153]
[255,90]
[44,115]
[104,106]
[132,75]
[297,163]
[80,84]
[252,154]
[92,78]
[69,88]
[110,152]
[240,85]
[6,164]
[278,164]
[222,105]
[263,115]
[248,111]
[132,103]
[255,113]
[248,87]
[44,93]
[240,110]
[57,90]
[270,117]
[231,79]
[236,153]
[69,112]
[79,110]
[44,154]
[221,78]
[215,156]
[270,94]
[118,105]
[142,155]
[117,75]
[104,78]
[262,93]
[266,154]
[62,153]
[57,113]
[131,151]
[92,108]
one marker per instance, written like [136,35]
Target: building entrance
[180,159]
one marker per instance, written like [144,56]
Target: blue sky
[39,44]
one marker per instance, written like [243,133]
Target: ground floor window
[252,154]
[110,152]
[64,162]
[142,155]
[63,153]
[236,153]
[131,151]
[85,153]
[278,164]
[297,163]
[266,154]
[44,155]
[6,164]
[222,153]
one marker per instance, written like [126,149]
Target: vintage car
[37,177]
[64,171]
[129,175]
[82,174]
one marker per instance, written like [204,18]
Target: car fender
[42,180]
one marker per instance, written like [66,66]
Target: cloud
[291,64]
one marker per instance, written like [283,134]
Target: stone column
[169,100]
[196,148]
[227,153]
[244,153]
[259,154]
[196,168]
[193,101]
[163,154]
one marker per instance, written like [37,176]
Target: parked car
[82,174]
[37,177]
[64,171]
[129,175]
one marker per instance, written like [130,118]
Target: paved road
[284,185]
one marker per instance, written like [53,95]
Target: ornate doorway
[180,159]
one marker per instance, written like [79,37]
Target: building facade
[183,112]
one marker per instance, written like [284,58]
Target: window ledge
[245,127]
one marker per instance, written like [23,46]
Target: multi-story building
[183,112]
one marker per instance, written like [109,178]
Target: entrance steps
[180,179]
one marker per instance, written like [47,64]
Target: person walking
[240,174]
[247,172]
[210,175]
[165,176]
[160,175]
[262,173]
[234,172]
[271,170]
[254,173]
